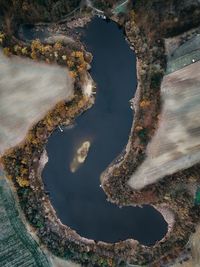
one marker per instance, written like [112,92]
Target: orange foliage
[73,74]
[36,45]
[22,182]
[57,46]
[145,103]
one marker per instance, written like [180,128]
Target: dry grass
[176,143]
[27,91]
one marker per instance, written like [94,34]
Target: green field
[121,7]
[17,247]
[182,61]
[184,55]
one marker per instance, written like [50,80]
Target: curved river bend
[77,197]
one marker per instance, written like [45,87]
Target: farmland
[17,248]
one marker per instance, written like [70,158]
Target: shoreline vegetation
[23,164]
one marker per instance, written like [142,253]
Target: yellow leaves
[57,46]
[145,103]
[29,137]
[80,104]
[76,63]
[24,161]
[32,139]
[49,121]
[46,48]
[17,48]
[33,55]
[20,50]
[82,67]
[36,45]
[6,51]
[73,54]
[24,51]
[2,37]
[70,63]
[22,182]
[78,55]
[24,171]
[35,141]
[75,60]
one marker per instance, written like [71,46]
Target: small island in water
[80,157]
[86,179]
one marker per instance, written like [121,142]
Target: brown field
[27,91]
[176,143]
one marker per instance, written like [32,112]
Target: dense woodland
[20,11]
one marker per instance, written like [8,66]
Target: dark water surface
[30,32]
[77,197]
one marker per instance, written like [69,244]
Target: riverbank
[21,109]
[115,178]
[60,239]
[32,197]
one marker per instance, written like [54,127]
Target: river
[77,197]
